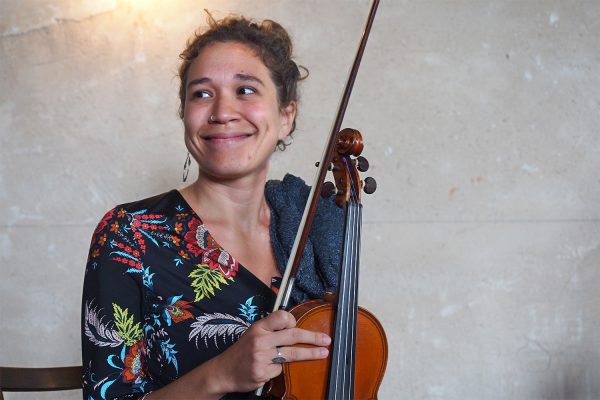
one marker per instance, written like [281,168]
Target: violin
[358,353]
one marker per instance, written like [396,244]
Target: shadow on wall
[575,381]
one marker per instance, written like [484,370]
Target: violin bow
[289,276]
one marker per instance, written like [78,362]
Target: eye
[244,90]
[200,94]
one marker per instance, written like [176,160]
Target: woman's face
[232,116]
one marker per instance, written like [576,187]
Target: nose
[224,110]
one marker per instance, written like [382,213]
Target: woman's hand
[248,364]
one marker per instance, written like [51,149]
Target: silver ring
[279,359]
[212,118]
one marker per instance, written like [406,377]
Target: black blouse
[160,298]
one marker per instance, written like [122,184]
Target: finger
[301,353]
[272,371]
[277,321]
[288,337]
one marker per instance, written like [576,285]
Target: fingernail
[324,352]
[325,339]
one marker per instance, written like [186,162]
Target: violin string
[338,363]
[349,370]
[346,381]
[352,304]
[345,302]
[356,270]
[343,362]
[336,386]
[354,293]
[341,393]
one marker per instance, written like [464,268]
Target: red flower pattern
[102,224]
[114,227]
[183,255]
[201,244]
[190,237]
[178,227]
[197,240]
[134,368]
[179,311]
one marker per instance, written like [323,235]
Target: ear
[287,115]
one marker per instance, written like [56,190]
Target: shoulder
[159,204]
[125,231]
[290,190]
[164,205]
[320,261]
[293,192]
[288,198]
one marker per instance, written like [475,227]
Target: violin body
[308,379]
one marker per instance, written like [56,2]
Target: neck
[239,204]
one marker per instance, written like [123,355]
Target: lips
[226,137]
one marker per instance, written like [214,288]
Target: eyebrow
[197,82]
[239,77]
[248,78]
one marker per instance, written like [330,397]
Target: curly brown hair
[268,39]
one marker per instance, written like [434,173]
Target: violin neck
[343,354]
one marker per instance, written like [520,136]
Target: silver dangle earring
[282,144]
[186,167]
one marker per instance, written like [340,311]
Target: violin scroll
[349,143]
[346,169]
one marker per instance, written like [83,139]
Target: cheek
[274,121]
[190,129]
[192,119]
[187,131]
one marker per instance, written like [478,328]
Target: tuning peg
[328,189]
[362,164]
[329,168]
[370,185]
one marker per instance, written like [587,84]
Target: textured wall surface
[481,246]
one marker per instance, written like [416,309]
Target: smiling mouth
[232,138]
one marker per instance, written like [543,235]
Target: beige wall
[481,119]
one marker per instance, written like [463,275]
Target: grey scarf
[321,258]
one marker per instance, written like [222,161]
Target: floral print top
[160,297]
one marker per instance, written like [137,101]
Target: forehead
[227,59]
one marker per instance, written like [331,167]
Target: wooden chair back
[39,379]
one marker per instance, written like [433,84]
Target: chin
[224,173]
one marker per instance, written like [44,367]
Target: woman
[178,287]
